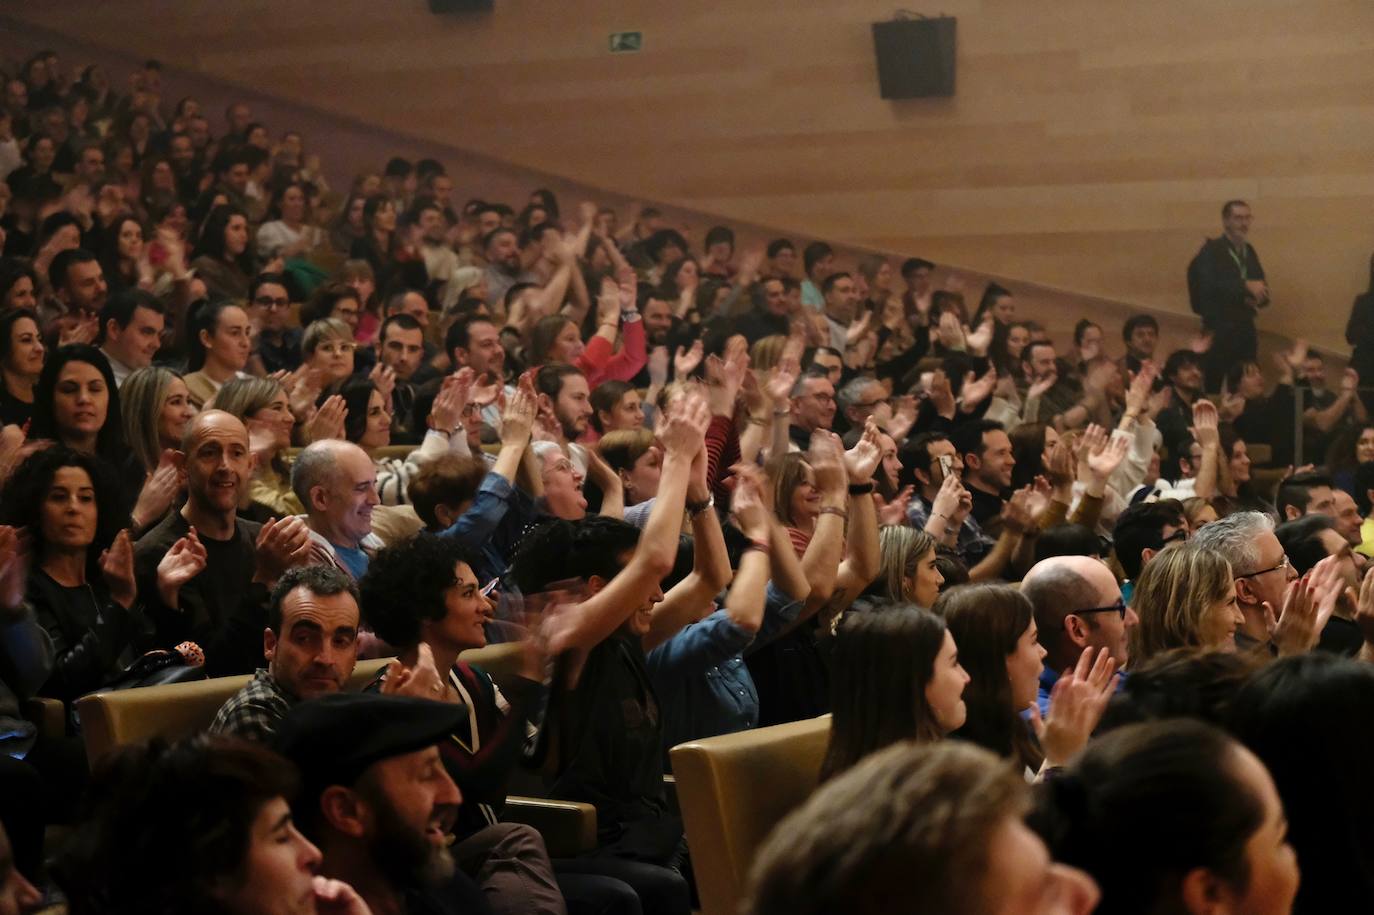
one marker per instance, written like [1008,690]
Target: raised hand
[11,448]
[14,567]
[282,543]
[1018,514]
[826,457]
[328,421]
[950,331]
[384,379]
[979,340]
[1094,438]
[975,391]
[1142,383]
[183,562]
[1077,702]
[1205,421]
[446,411]
[160,488]
[334,897]
[1201,342]
[1350,381]
[627,285]
[658,366]
[1103,461]
[1307,606]
[946,501]
[684,431]
[84,330]
[782,378]
[1040,386]
[517,421]
[941,395]
[861,461]
[608,304]
[1159,401]
[686,360]
[117,568]
[423,681]
[746,502]
[894,512]
[1060,468]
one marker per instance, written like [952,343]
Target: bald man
[337,483]
[1077,605]
[223,609]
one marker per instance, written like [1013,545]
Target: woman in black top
[381,245]
[81,582]
[21,362]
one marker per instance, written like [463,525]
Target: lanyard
[1241,262]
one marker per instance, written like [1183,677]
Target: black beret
[333,739]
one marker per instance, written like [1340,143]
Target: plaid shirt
[254,711]
[972,544]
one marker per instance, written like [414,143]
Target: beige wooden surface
[1089,146]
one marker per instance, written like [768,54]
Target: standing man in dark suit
[1227,289]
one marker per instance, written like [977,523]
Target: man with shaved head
[337,483]
[1077,605]
[224,608]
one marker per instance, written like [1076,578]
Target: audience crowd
[1091,619]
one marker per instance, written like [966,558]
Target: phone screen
[946,465]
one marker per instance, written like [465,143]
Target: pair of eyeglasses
[1178,536]
[269,302]
[1119,608]
[1285,565]
[337,348]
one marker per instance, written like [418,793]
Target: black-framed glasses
[1285,564]
[1119,608]
[1178,536]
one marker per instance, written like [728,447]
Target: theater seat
[733,790]
[176,710]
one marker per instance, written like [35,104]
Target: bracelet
[861,489]
[831,510]
[629,317]
[761,545]
[696,508]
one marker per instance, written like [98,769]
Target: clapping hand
[117,568]
[686,360]
[423,681]
[183,562]
[861,461]
[1307,606]
[1077,702]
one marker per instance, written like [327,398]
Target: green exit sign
[626,42]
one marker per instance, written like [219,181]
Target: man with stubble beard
[224,608]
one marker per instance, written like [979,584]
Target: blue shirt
[354,560]
[1049,676]
[492,524]
[703,686]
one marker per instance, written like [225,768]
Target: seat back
[733,790]
[173,711]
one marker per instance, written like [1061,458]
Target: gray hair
[853,390]
[313,467]
[1234,538]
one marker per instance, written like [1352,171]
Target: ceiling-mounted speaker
[461,6]
[915,57]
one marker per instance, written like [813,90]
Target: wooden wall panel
[1089,147]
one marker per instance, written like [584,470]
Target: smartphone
[946,465]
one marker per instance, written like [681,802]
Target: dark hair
[27,488]
[264,279]
[655,243]
[405,583]
[109,443]
[912,264]
[968,437]
[1302,542]
[325,581]
[882,661]
[914,454]
[604,397]
[109,251]
[1141,527]
[987,621]
[210,242]
[814,253]
[356,391]
[121,307]
[167,824]
[1177,360]
[549,378]
[1067,540]
[62,263]
[779,245]
[543,336]
[1082,328]
[401,320]
[829,282]
[1229,205]
[12,270]
[1364,482]
[951,566]
[322,301]
[1341,456]
[8,318]
[446,480]
[1152,776]
[1028,448]
[1295,491]
[561,549]
[203,318]
[1135,321]
[718,235]
[458,332]
[1304,717]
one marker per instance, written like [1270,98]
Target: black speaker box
[461,6]
[915,57]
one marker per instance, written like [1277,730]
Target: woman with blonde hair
[157,407]
[636,459]
[328,349]
[263,406]
[906,562]
[1185,597]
